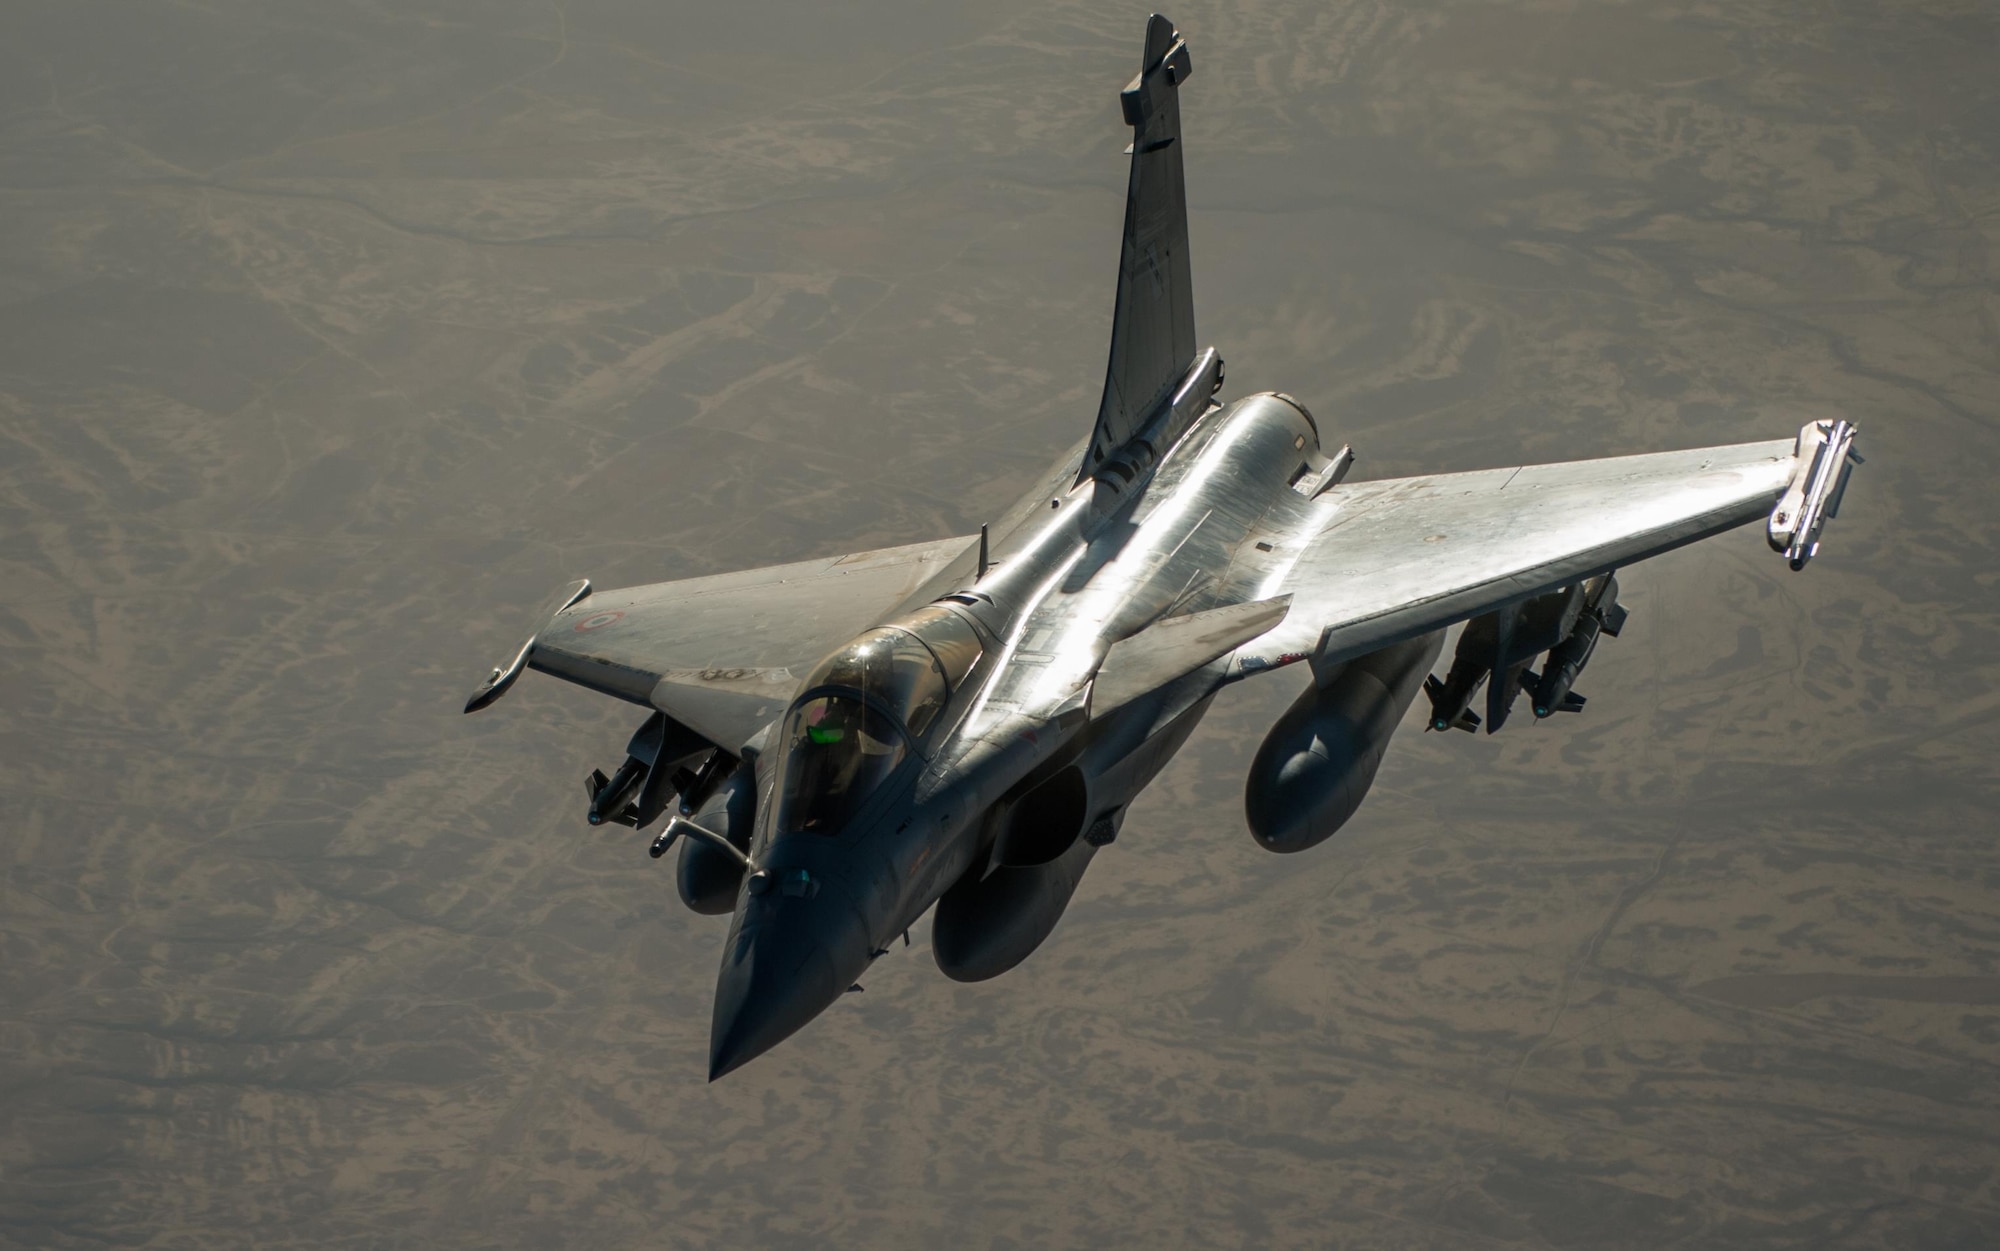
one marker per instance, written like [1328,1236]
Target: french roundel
[598,622]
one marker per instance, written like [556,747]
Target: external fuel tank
[708,878]
[1315,766]
[985,926]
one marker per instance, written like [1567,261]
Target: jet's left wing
[722,654]
[1392,560]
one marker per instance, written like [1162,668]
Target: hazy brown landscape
[335,337]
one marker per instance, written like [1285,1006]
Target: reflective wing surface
[1394,559]
[720,653]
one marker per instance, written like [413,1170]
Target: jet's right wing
[1393,560]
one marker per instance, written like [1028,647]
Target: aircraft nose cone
[789,960]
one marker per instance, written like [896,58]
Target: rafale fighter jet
[842,744]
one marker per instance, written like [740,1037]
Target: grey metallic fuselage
[1213,521]
[997,703]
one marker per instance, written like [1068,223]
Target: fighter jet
[841,745]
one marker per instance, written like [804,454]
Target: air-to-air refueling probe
[842,744]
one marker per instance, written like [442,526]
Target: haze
[334,338]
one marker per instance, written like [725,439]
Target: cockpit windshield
[839,746]
[895,669]
[838,751]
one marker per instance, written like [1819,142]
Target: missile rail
[1813,498]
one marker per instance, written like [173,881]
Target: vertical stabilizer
[1152,332]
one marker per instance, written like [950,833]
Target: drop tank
[1317,763]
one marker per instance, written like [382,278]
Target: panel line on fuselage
[1080,623]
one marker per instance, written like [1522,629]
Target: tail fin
[1152,332]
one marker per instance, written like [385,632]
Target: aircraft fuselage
[1010,782]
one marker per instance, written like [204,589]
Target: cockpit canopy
[863,707]
[894,670]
